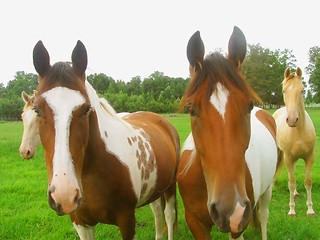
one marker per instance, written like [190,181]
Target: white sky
[137,37]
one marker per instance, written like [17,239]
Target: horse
[30,137]
[296,135]
[101,167]
[230,157]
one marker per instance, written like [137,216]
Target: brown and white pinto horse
[30,137]
[296,135]
[101,167]
[230,157]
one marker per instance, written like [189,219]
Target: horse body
[101,167]
[230,158]
[295,135]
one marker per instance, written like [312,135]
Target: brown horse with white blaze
[230,157]
[101,167]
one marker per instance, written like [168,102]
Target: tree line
[263,68]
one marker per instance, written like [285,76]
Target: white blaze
[62,102]
[219,99]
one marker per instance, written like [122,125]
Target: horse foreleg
[308,185]
[263,211]
[290,165]
[127,225]
[85,232]
[198,228]
[157,210]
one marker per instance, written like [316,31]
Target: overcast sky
[132,38]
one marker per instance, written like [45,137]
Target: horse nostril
[78,197]
[52,189]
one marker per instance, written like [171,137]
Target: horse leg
[199,229]
[157,210]
[263,211]
[308,184]
[290,165]
[171,211]
[126,222]
[85,232]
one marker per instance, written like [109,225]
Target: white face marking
[236,217]
[219,99]
[62,102]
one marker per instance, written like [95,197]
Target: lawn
[25,213]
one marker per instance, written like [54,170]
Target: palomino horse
[296,135]
[30,137]
[230,158]
[101,167]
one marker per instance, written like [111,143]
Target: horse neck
[113,130]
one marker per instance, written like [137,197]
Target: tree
[264,71]
[100,82]
[22,82]
[313,69]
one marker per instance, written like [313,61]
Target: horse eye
[190,110]
[37,111]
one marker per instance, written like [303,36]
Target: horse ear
[195,49]
[41,59]
[25,97]
[237,47]
[299,72]
[287,72]
[79,59]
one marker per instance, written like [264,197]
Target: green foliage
[264,71]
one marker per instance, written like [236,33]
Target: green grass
[25,213]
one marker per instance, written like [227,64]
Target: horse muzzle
[228,219]
[66,203]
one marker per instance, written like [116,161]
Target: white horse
[295,135]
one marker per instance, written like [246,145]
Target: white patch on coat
[219,99]
[62,109]
[124,141]
[188,143]
[261,156]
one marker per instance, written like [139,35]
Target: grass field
[25,213]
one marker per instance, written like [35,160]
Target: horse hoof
[292,214]
[311,214]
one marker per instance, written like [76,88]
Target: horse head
[63,112]
[292,89]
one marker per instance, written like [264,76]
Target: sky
[132,38]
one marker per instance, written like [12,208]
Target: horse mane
[216,68]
